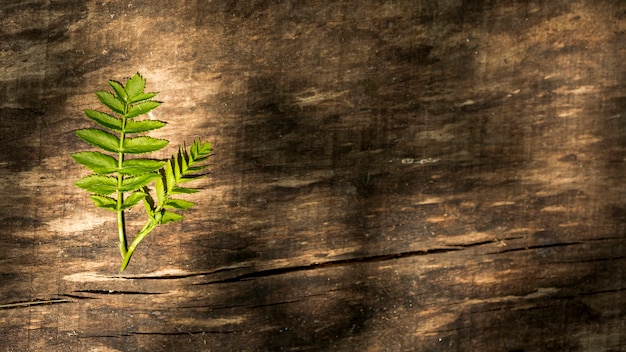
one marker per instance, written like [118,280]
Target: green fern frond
[114,175]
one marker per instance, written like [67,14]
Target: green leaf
[169,216]
[105,120]
[199,151]
[142,108]
[183,161]
[176,167]
[183,190]
[119,90]
[104,202]
[197,154]
[100,139]
[190,178]
[98,184]
[178,204]
[133,199]
[160,191]
[205,148]
[143,96]
[111,101]
[169,176]
[148,203]
[140,166]
[133,183]
[143,144]
[135,86]
[133,126]
[99,163]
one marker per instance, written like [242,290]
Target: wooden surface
[388,176]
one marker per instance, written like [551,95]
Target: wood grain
[388,176]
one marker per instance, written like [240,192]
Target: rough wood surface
[388,176]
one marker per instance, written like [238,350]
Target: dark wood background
[388,176]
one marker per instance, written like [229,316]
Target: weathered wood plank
[388,176]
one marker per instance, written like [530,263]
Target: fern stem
[147,228]
[121,231]
[121,225]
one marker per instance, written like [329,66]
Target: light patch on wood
[468,239]
[492,279]
[570,112]
[210,323]
[435,321]
[577,91]
[85,222]
[570,224]
[427,201]
[313,97]
[420,161]
[443,134]
[525,230]
[89,277]
[554,208]
[302,181]
[502,203]
[437,219]
[165,273]
[539,293]
[466,103]
[102,349]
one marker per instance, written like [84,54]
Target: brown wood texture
[388,176]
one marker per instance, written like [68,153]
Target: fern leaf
[178,204]
[169,216]
[98,184]
[170,179]
[104,202]
[105,120]
[99,138]
[135,86]
[142,108]
[97,162]
[135,167]
[142,97]
[160,191]
[133,126]
[134,183]
[111,102]
[183,190]
[119,90]
[143,144]
[133,199]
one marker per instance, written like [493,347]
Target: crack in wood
[333,263]
[35,302]
[564,244]
[75,296]
[592,293]
[115,292]
[349,261]
[541,246]
[139,333]
[595,260]
[181,275]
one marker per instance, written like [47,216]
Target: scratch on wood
[438,320]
